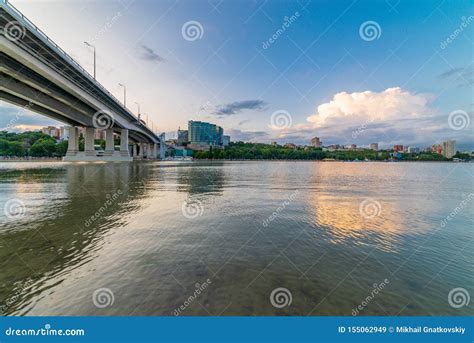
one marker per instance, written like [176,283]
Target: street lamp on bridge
[93,47]
[124,94]
[138,110]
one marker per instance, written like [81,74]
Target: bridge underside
[37,75]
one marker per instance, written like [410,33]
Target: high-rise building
[202,135]
[374,146]
[316,142]
[182,136]
[225,140]
[398,147]
[449,148]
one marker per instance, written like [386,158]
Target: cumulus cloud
[239,106]
[365,107]
[149,54]
[392,116]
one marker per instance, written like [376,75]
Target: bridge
[36,74]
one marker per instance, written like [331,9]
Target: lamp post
[93,47]
[124,94]
[138,110]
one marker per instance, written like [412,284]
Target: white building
[449,148]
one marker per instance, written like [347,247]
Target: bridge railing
[25,21]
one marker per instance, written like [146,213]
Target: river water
[236,238]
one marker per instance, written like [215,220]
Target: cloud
[239,106]
[150,55]
[364,107]
[391,116]
[463,77]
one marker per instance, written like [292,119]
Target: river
[235,238]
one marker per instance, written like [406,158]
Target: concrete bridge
[35,73]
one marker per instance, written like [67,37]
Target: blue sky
[321,75]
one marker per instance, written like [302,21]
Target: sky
[355,71]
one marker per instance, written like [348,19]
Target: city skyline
[319,76]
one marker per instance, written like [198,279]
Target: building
[449,148]
[413,150]
[437,149]
[316,142]
[374,146]
[398,147]
[100,134]
[182,137]
[51,131]
[290,145]
[63,133]
[352,146]
[202,135]
[225,140]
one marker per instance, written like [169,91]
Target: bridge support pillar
[150,154]
[73,141]
[109,142]
[89,149]
[124,143]
[140,151]
[162,146]
[134,150]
